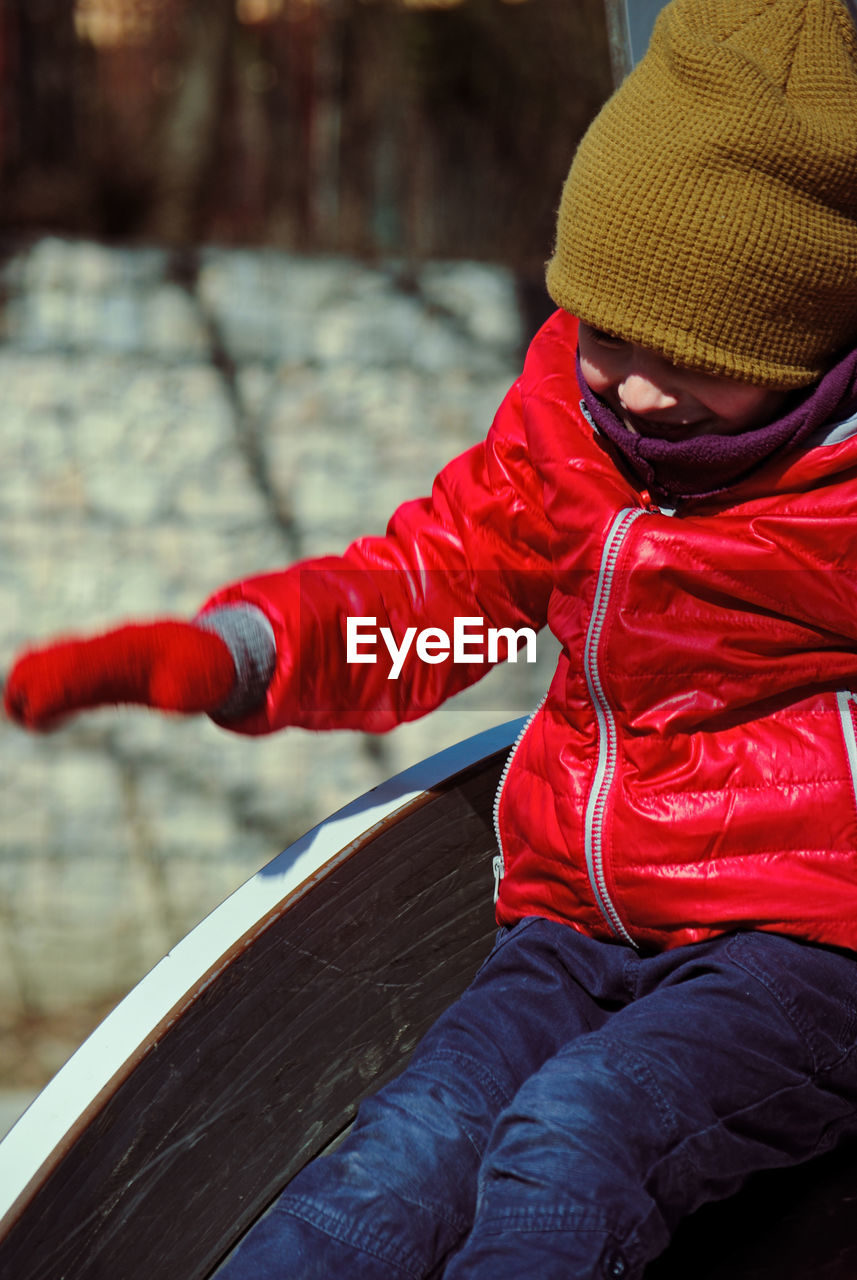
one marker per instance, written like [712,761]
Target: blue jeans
[571,1107]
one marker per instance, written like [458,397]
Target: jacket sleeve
[478,547]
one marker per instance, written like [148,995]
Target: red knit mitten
[171,665]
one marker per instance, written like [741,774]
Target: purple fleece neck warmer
[706,465]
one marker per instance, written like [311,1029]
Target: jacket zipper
[846,701]
[499,860]
[605,768]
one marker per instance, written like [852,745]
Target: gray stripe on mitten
[249,636]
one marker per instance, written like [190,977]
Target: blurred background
[429,128]
[265,265]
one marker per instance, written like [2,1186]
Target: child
[672,1000]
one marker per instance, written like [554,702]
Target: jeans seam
[783,1003]
[847,1053]
[642,1074]
[571,1218]
[486,1077]
[801,1025]
[333,1224]
[722,1122]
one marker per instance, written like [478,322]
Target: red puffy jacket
[693,767]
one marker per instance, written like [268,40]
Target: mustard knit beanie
[710,213]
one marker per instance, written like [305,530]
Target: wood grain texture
[267,1064]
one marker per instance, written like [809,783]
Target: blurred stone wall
[170,423]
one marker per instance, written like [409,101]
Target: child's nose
[640,393]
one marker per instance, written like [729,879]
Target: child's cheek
[595,374]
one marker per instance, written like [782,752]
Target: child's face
[658,399]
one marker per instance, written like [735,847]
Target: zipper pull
[497,864]
[653,507]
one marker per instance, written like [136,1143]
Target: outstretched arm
[272,650]
[478,547]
